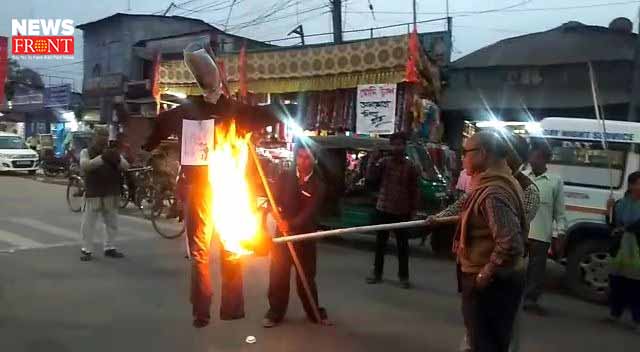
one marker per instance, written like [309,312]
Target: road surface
[50,301]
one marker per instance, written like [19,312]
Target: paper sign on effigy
[197,141]
[376,109]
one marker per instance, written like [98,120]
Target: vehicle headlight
[5,156]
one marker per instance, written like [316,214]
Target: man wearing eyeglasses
[489,244]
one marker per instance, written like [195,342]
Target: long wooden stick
[370,228]
[292,251]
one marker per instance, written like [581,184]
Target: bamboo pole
[370,228]
[292,251]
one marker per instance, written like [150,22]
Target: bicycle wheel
[75,194]
[166,219]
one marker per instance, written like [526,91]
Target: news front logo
[42,38]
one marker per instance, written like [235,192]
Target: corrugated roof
[573,42]
[177,18]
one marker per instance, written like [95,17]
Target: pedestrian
[624,277]
[489,245]
[542,231]
[102,167]
[397,202]
[299,196]
[517,157]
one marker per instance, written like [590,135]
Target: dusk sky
[476,23]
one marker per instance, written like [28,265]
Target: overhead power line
[509,9]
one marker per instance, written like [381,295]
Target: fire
[233,209]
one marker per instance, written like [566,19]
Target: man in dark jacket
[102,168]
[299,195]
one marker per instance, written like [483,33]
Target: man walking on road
[397,202]
[541,232]
[489,245]
[300,195]
[102,167]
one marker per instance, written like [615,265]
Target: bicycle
[75,193]
[166,216]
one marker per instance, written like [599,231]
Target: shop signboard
[376,109]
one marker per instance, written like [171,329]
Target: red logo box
[42,45]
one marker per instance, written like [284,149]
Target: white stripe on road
[44,227]
[18,241]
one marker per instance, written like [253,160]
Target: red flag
[242,70]
[4,65]
[155,83]
[411,72]
[223,77]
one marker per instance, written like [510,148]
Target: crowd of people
[509,220]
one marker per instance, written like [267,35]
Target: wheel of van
[587,270]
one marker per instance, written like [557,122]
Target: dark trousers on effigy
[199,232]
[280,278]
[489,313]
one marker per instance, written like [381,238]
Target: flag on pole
[223,77]
[4,65]
[242,71]
[411,71]
[155,85]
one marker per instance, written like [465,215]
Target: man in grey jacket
[102,168]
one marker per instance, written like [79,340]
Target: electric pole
[415,15]
[336,10]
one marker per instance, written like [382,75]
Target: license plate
[440,194]
[23,162]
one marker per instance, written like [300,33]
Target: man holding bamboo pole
[489,245]
[300,194]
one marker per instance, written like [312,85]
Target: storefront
[319,83]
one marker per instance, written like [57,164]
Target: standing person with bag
[624,277]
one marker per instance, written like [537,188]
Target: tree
[20,76]
[13,75]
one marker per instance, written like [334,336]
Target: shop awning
[13,117]
[309,68]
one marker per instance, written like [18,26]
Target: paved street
[50,301]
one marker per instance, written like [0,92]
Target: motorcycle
[53,166]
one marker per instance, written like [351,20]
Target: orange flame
[233,208]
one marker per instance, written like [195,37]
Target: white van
[590,176]
[15,155]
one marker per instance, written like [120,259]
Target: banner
[376,109]
[197,142]
[4,66]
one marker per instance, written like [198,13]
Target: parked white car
[15,155]
[591,176]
